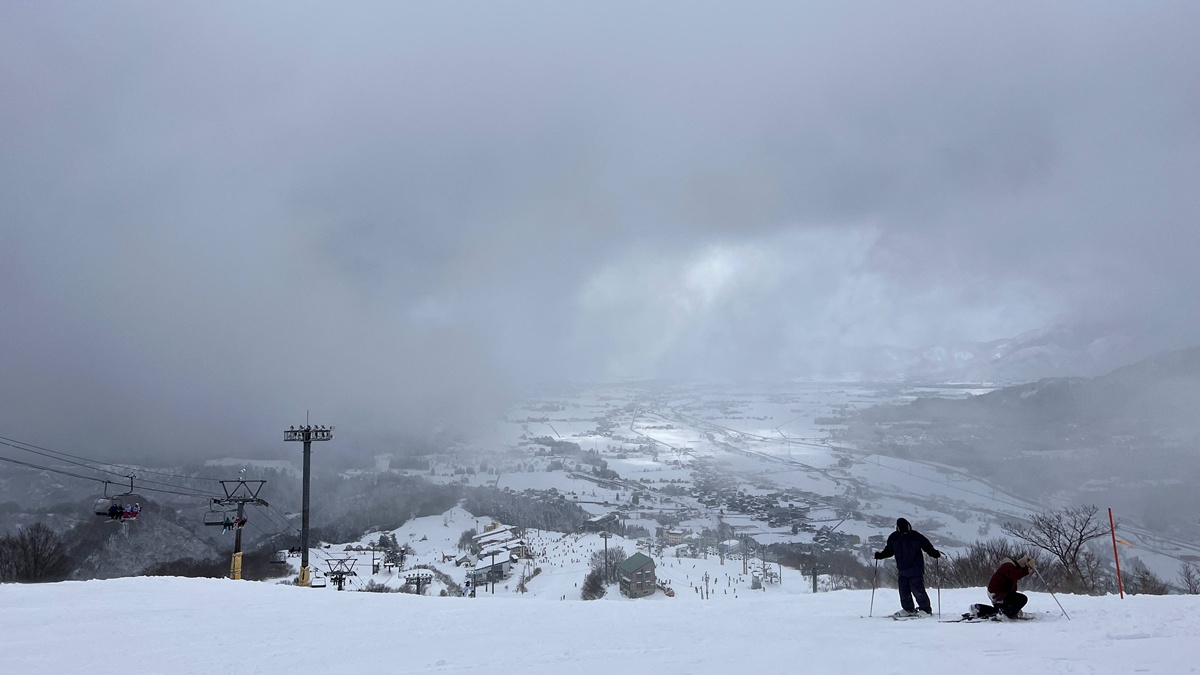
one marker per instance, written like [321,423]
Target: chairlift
[317,582]
[279,558]
[121,507]
[218,518]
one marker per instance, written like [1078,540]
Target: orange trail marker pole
[1113,529]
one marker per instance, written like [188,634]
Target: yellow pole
[304,579]
[235,567]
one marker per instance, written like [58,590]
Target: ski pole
[873,577]
[937,566]
[1035,571]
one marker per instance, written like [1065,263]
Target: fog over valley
[400,217]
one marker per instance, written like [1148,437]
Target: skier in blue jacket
[907,544]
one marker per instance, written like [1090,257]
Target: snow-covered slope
[179,626]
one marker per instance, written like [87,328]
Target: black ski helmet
[902,525]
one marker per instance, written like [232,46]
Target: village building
[503,537]
[636,576]
[495,535]
[486,570]
[517,548]
[608,521]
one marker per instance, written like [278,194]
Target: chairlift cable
[21,445]
[267,515]
[46,468]
[18,445]
[285,519]
[3,441]
[274,521]
[94,461]
[98,480]
[317,550]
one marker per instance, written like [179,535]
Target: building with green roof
[636,576]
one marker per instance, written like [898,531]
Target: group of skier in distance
[910,548]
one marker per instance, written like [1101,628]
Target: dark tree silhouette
[593,586]
[35,553]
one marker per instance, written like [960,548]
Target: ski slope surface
[176,625]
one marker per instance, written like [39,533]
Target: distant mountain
[105,549]
[1058,351]
[1127,438]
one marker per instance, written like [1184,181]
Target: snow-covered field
[715,623]
[765,438]
[178,626]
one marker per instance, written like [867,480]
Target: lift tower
[241,493]
[306,434]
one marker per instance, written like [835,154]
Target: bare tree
[975,566]
[35,553]
[1064,534]
[1094,575]
[616,556]
[466,541]
[1189,578]
[1144,582]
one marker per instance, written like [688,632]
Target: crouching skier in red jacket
[1002,588]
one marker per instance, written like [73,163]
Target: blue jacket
[907,547]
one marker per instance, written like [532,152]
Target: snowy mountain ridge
[1055,351]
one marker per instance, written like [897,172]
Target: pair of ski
[965,618]
[971,618]
[901,616]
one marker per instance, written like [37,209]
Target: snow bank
[172,625]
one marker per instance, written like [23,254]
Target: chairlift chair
[279,558]
[219,517]
[317,582]
[216,518]
[121,507]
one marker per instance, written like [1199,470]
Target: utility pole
[374,565]
[240,492]
[762,551]
[306,434]
[492,570]
[605,536]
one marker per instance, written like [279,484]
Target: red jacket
[1004,581]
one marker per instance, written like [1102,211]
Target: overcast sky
[215,216]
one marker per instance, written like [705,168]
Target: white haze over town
[403,216]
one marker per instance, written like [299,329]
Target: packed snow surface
[175,625]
